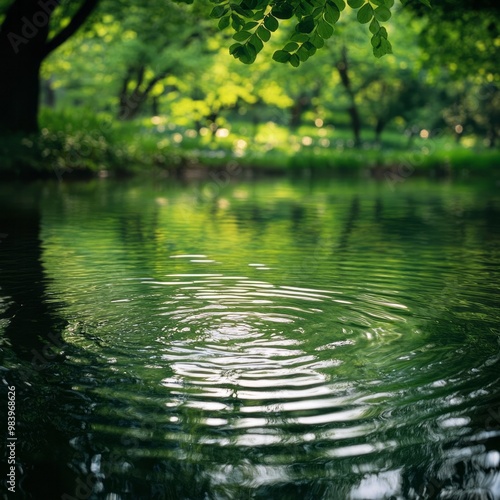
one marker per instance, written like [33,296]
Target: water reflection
[334,342]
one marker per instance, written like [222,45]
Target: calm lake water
[270,339]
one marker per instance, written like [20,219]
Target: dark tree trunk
[212,124]
[155,106]
[492,137]
[130,105]
[20,82]
[355,124]
[379,128]
[298,109]
[131,102]
[24,45]
[343,69]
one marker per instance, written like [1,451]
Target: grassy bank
[83,143]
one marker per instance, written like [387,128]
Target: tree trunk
[24,45]
[355,124]
[492,136]
[22,41]
[212,124]
[343,69]
[379,128]
[296,115]
[131,102]
[155,106]
[130,105]
[302,103]
[20,82]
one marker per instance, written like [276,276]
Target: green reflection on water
[274,339]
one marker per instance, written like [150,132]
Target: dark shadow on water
[34,325]
[33,336]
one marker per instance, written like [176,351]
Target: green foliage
[173,58]
[314,22]
[82,143]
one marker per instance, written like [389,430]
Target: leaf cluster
[254,22]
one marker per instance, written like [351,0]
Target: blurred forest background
[151,84]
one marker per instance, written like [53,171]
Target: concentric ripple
[277,375]
[323,343]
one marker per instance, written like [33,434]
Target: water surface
[271,339]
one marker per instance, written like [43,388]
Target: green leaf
[374,26]
[264,34]
[303,54]
[234,47]
[282,11]
[317,41]
[299,37]
[246,54]
[291,47]
[251,49]
[324,30]
[249,4]
[378,51]
[250,25]
[355,4]
[376,40]
[247,58]
[271,23]
[219,11]
[365,14]
[241,36]
[294,60]
[311,49]
[224,22]
[304,9]
[389,3]
[332,14]
[340,4]
[426,3]
[256,43]
[242,12]
[306,25]
[259,15]
[237,23]
[383,49]
[281,56]
[382,14]
[378,2]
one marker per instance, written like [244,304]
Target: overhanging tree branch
[76,22]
